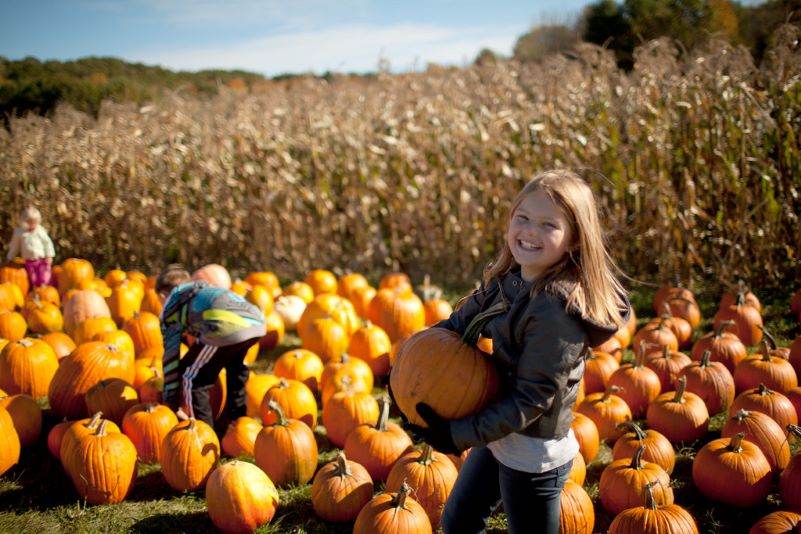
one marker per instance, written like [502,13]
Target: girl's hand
[438,432]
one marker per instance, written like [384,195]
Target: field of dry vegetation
[698,156]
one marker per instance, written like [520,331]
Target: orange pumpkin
[147,425]
[61,343]
[285,449]
[340,490]
[302,365]
[240,497]
[82,305]
[399,314]
[12,326]
[346,410]
[322,282]
[145,331]
[372,345]
[113,397]
[27,366]
[189,454]
[26,415]
[295,399]
[240,436]
[391,513]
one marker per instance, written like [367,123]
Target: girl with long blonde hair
[550,295]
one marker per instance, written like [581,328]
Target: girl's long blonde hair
[587,275]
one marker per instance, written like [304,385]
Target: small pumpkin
[658,448]
[189,453]
[762,431]
[392,513]
[679,415]
[296,402]
[240,497]
[607,411]
[725,347]
[147,425]
[240,436]
[623,482]
[286,449]
[711,381]
[654,519]
[340,490]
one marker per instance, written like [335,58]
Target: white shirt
[31,245]
[534,455]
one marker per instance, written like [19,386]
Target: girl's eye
[521,217]
[550,225]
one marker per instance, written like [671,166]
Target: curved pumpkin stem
[94,421]
[765,351]
[426,455]
[383,416]
[681,385]
[342,470]
[794,430]
[634,427]
[735,445]
[636,460]
[768,336]
[274,406]
[705,359]
[764,390]
[722,326]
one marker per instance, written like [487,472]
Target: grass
[37,496]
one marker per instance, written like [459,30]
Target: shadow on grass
[174,522]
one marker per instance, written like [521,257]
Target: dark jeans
[231,358]
[531,500]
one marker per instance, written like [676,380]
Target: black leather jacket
[539,349]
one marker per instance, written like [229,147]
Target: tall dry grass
[701,160]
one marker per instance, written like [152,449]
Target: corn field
[695,158]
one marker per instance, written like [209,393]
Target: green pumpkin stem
[741,415]
[633,427]
[426,455]
[636,460]
[681,385]
[274,406]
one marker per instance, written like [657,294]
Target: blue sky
[272,36]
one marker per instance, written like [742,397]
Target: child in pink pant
[31,241]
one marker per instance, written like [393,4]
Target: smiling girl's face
[538,235]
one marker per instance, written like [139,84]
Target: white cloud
[347,48]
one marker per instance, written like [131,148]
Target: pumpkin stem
[191,424]
[343,469]
[426,455]
[666,314]
[705,358]
[768,337]
[722,326]
[344,358]
[794,429]
[764,390]
[399,501]
[274,406]
[94,421]
[383,415]
[634,427]
[150,407]
[473,330]
[740,415]
[765,350]
[25,342]
[735,445]
[650,502]
[283,383]
[681,385]
[636,460]
[666,352]
[100,431]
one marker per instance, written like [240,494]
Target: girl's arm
[554,342]
[462,316]
[171,334]
[13,247]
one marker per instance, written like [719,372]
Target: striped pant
[199,370]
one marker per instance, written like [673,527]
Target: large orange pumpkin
[103,466]
[286,449]
[86,366]
[147,425]
[434,353]
[654,519]
[26,415]
[9,442]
